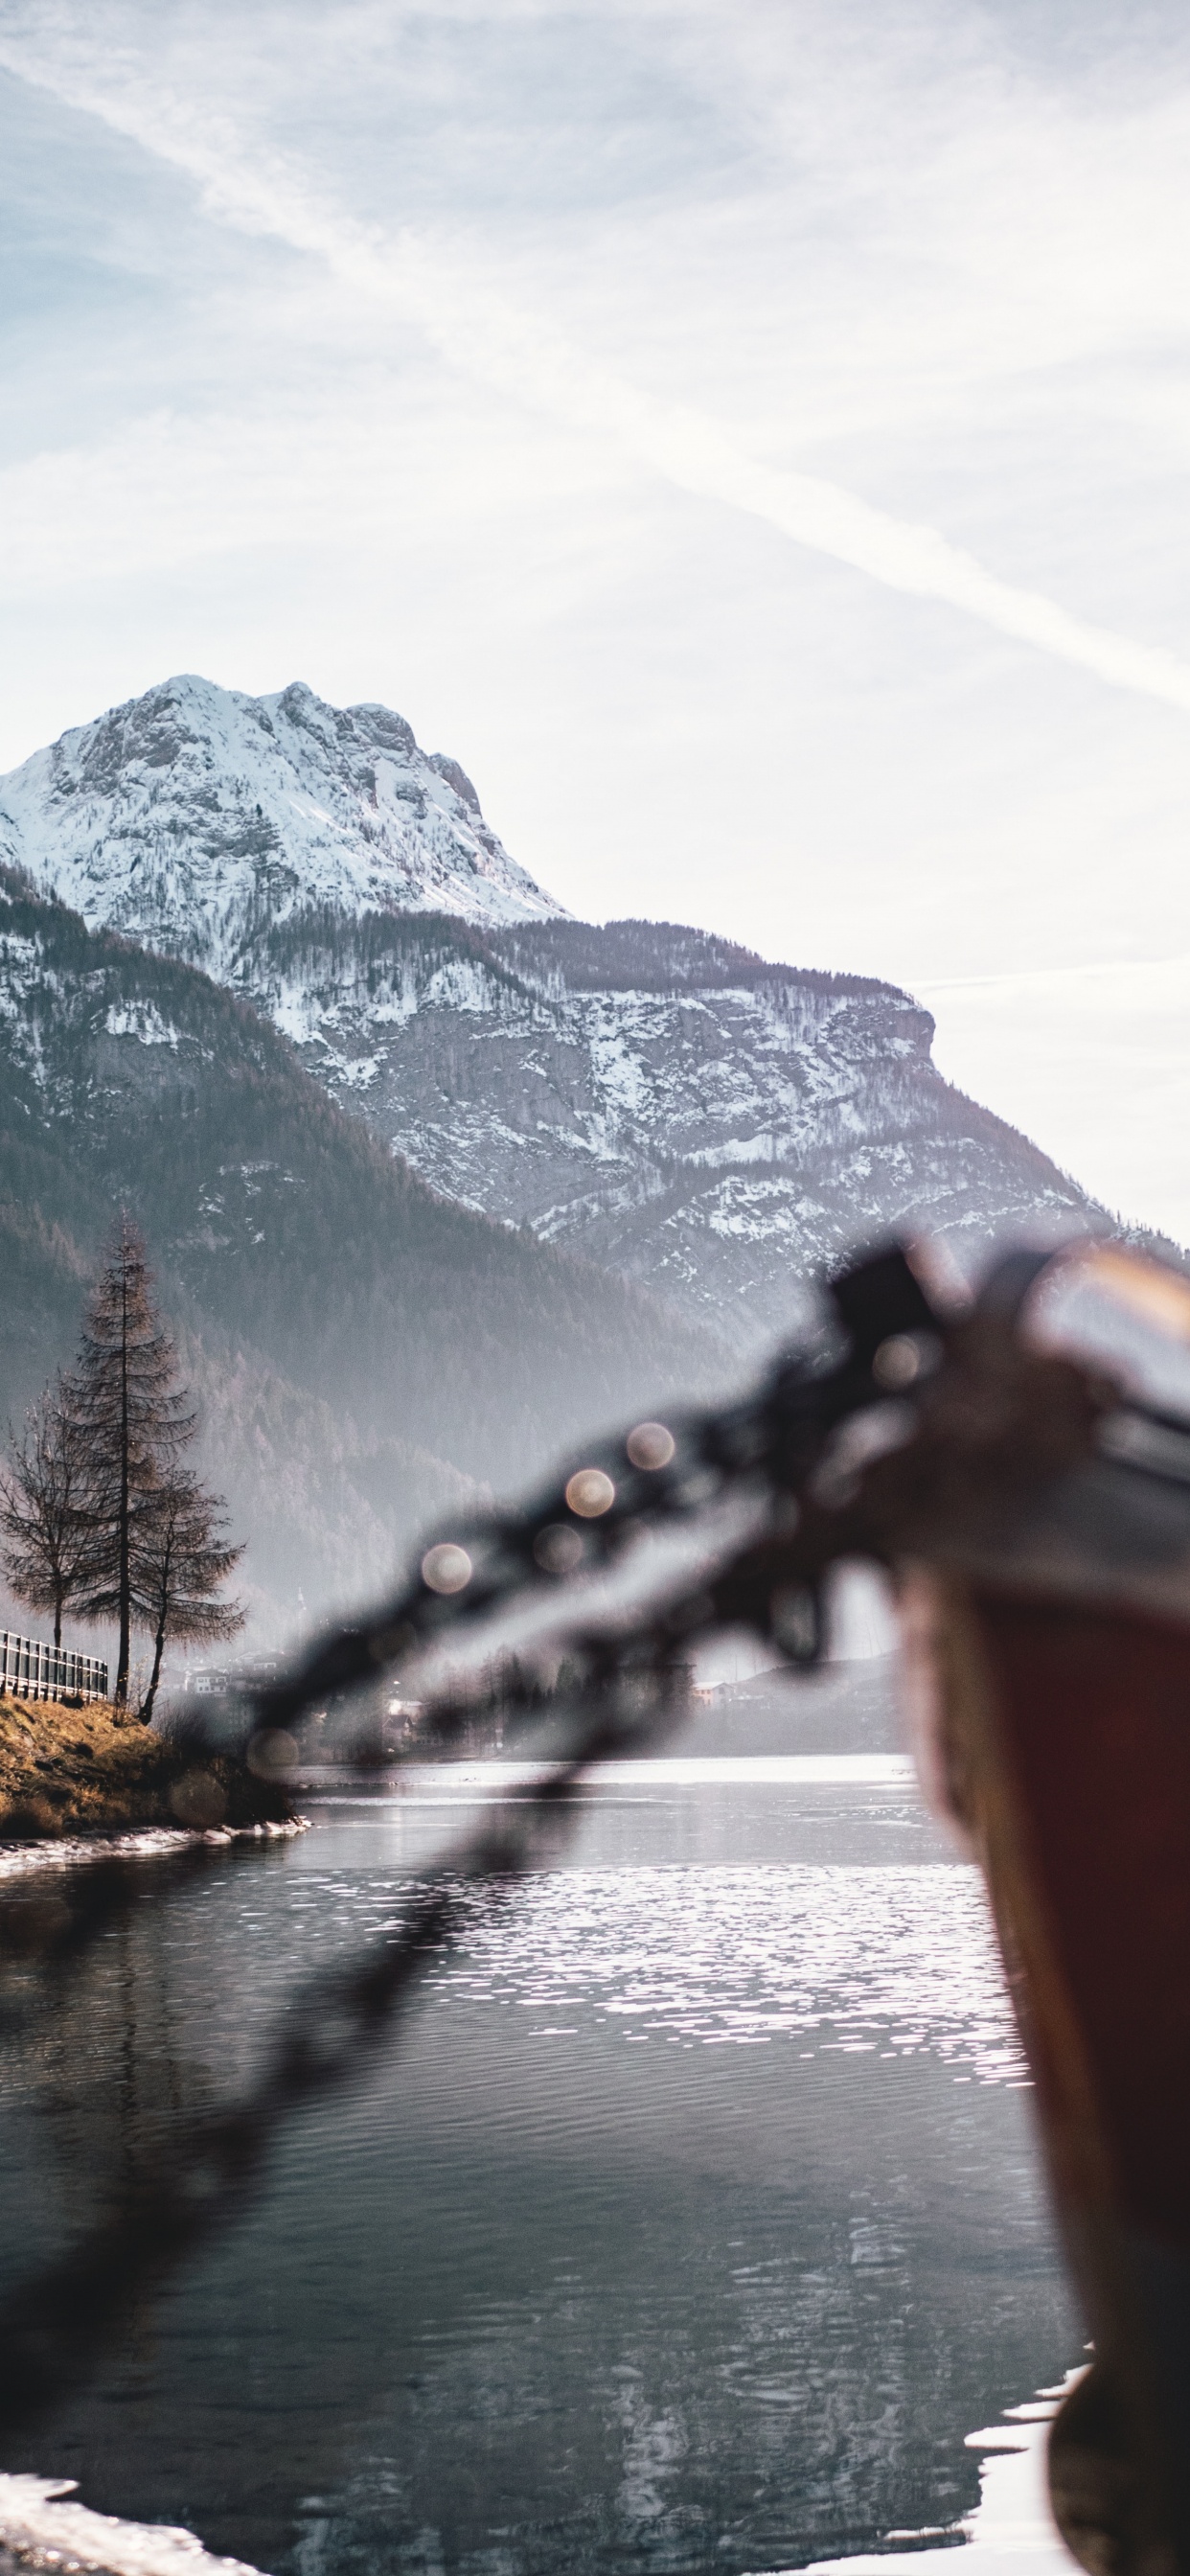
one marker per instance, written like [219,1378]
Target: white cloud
[482,334]
[597,385]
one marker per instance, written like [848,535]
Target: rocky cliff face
[669,1105]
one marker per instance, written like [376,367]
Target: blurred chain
[848,1446]
[654,1477]
[58,2324]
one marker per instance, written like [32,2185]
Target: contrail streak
[480,334]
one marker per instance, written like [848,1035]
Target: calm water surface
[693,2225]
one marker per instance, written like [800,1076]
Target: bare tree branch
[46,1505]
[180,1561]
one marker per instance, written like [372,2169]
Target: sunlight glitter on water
[696,2214]
[673,1771]
[900,1960]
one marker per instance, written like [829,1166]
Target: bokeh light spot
[198,1800]
[650,1445]
[590,1492]
[558,1549]
[446,1568]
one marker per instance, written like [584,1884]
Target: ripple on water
[899,1960]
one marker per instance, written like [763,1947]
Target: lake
[694,2223]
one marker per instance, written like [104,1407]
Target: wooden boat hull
[1062,1736]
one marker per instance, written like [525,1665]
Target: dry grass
[94,1770]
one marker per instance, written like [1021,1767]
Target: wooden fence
[31,1669]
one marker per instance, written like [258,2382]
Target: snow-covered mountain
[661,1101]
[194,817]
[657,1099]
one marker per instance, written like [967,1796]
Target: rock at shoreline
[96,1770]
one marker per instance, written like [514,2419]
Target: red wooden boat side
[1095,1718]
[1065,1739]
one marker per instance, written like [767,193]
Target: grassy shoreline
[95,1769]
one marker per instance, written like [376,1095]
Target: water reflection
[695,2226]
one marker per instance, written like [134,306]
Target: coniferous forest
[365,1357]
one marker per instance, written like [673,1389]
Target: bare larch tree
[134,1423]
[45,1505]
[181,1558]
[97,1506]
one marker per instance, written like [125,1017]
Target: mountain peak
[192,815]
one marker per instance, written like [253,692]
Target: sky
[752,438]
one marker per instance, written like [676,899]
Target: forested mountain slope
[362,1346]
[691,1116]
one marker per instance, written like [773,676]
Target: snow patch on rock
[140,1019]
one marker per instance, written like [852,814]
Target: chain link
[797,1455]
